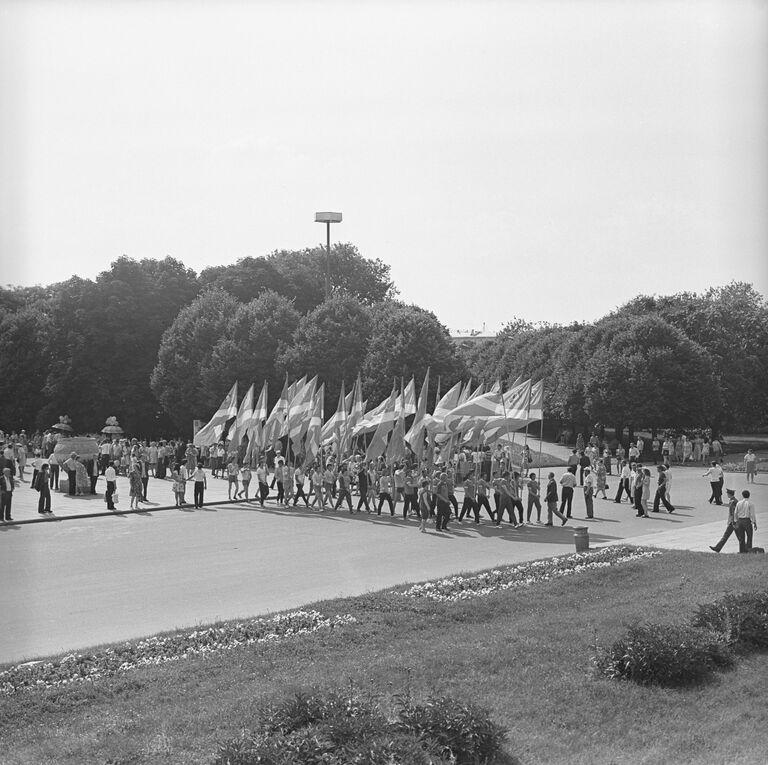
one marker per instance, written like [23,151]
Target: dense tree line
[157,346]
[685,360]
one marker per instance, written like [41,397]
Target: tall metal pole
[328,260]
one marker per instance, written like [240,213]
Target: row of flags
[462,415]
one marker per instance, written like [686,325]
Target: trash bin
[581,538]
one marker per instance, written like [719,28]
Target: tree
[24,365]
[185,350]
[300,276]
[331,341]
[647,373]
[247,349]
[405,340]
[104,338]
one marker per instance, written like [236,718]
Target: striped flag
[256,425]
[520,414]
[211,432]
[386,422]
[274,424]
[371,420]
[297,417]
[242,420]
[415,436]
[446,404]
[355,413]
[407,399]
[315,426]
[337,420]
[488,406]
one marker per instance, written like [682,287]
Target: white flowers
[154,651]
[457,588]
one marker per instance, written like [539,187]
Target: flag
[297,395]
[355,413]
[242,420]
[274,424]
[518,416]
[407,399]
[387,419]
[371,420]
[297,418]
[212,432]
[337,420]
[446,404]
[256,425]
[396,446]
[488,406]
[415,436]
[314,427]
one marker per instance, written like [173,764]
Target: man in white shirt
[111,477]
[744,522]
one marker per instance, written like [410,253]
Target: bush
[461,732]
[666,654]
[741,618]
[348,728]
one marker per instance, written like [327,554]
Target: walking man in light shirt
[744,521]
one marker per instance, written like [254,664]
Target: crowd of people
[494,481]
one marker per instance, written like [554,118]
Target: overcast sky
[546,160]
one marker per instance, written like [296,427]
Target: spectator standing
[744,518]
[646,496]
[6,494]
[41,484]
[600,479]
[134,482]
[568,483]
[110,475]
[589,491]
[750,465]
[201,484]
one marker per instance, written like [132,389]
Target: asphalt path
[81,582]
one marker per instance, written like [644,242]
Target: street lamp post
[327,218]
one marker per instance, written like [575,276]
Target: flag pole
[541,430]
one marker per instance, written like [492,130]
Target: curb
[112,513]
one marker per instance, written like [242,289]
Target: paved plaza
[89,576]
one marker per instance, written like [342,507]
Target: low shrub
[349,728]
[458,732]
[742,618]
[668,655]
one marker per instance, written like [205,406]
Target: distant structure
[471,337]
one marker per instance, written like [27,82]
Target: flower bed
[160,650]
[521,575]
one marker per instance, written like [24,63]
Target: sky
[542,160]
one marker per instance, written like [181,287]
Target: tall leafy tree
[731,323]
[300,276]
[647,373]
[186,349]
[104,339]
[405,340]
[331,341]
[247,349]
[23,366]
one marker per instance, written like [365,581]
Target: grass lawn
[524,654]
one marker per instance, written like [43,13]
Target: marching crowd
[490,481]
